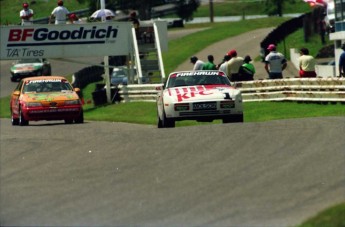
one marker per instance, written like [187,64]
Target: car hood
[26,67]
[49,96]
[200,93]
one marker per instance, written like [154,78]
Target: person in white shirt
[275,63]
[60,13]
[198,64]
[26,15]
[224,65]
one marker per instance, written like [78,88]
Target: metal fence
[297,89]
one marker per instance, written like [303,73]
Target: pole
[106,63]
[211,11]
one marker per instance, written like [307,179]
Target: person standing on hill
[275,63]
[209,65]
[234,65]
[306,64]
[247,70]
[26,15]
[222,67]
[342,62]
[198,64]
[60,13]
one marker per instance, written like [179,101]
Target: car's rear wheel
[22,120]
[80,119]
[15,121]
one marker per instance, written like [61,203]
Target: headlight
[72,102]
[33,104]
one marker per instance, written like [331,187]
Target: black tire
[15,121]
[68,121]
[233,119]
[22,120]
[167,123]
[80,119]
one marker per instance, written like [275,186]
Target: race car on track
[198,95]
[45,98]
[30,67]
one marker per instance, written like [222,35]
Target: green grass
[331,217]
[239,8]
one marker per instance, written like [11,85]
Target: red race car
[45,98]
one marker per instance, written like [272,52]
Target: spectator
[322,29]
[275,63]
[209,65]
[74,19]
[60,13]
[26,15]
[224,64]
[136,24]
[247,70]
[342,62]
[198,64]
[306,64]
[233,66]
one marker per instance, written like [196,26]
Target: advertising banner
[65,41]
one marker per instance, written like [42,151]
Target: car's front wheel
[80,119]
[22,120]
[15,121]
[166,122]
[233,119]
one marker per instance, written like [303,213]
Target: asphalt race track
[276,173]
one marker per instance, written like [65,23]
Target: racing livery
[30,67]
[198,95]
[45,98]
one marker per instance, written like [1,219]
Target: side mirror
[76,89]
[16,93]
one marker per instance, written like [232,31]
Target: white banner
[64,41]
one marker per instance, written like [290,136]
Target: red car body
[45,98]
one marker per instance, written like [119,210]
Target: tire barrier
[295,89]
[93,74]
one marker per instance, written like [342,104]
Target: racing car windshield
[47,86]
[36,60]
[197,80]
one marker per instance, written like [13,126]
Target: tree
[275,7]
[186,8]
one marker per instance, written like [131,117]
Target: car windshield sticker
[45,81]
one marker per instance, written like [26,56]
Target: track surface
[114,174]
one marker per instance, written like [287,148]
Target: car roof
[45,78]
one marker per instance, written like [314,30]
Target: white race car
[198,95]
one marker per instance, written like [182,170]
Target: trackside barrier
[296,89]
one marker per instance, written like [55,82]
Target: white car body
[199,99]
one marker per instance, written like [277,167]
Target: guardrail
[296,89]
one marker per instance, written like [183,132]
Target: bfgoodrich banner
[61,41]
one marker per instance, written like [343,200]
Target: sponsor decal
[39,36]
[189,92]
